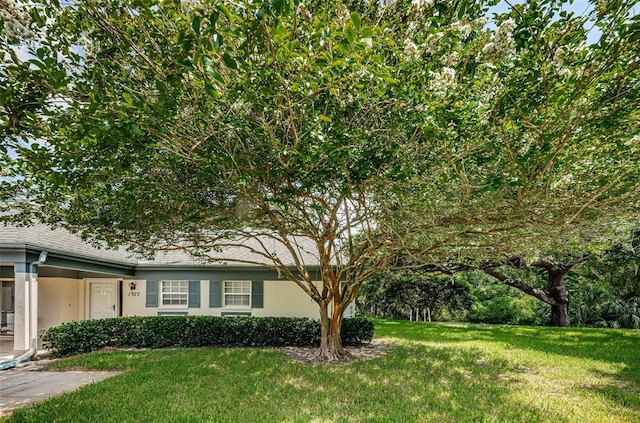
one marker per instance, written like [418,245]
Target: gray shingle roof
[42,237]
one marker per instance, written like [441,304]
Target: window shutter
[193,300]
[152,293]
[215,291]
[257,294]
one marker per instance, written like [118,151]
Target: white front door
[102,299]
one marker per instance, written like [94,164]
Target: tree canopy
[378,130]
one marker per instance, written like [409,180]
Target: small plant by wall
[84,336]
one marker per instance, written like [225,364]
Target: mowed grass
[432,373]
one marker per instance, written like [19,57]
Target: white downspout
[33,303]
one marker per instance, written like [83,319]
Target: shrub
[84,336]
[501,304]
[356,331]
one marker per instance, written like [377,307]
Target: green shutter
[194,294]
[257,294]
[152,293]
[215,294]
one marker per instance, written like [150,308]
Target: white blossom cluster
[190,5]
[563,57]
[419,14]
[487,97]
[386,6]
[15,22]
[344,16]
[433,45]
[421,7]
[480,22]
[463,29]
[442,81]
[303,12]
[502,43]
[451,59]
[564,182]
[411,52]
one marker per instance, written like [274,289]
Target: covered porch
[42,288]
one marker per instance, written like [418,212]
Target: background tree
[413,294]
[495,302]
[414,126]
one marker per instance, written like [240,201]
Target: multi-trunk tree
[380,131]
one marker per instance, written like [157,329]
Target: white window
[174,293]
[237,294]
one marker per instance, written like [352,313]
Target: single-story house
[50,276]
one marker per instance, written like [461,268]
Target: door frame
[116,293]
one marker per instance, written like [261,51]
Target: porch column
[21,322]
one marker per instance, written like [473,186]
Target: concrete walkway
[22,386]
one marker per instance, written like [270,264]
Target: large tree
[378,130]
[555,292]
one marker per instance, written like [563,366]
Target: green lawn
[435,372]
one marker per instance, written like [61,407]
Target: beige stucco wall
[285,298]
[133,301]
[60,300]
[281,298]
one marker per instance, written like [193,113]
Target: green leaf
[208,63]
[291,45]
[211,90]
[350,33]
[277,5]
[228,60]
[368,32]
[340,63]
[136,129]
[215,75]
[223,9]
[344,47]
[324,118]
[195,24]
[218,41]
[179,37]
[357,20]
[213,18]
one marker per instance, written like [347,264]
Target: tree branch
[527,289]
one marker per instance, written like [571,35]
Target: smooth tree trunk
[330,342]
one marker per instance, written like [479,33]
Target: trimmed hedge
[84,336]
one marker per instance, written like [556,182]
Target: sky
[580,7]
